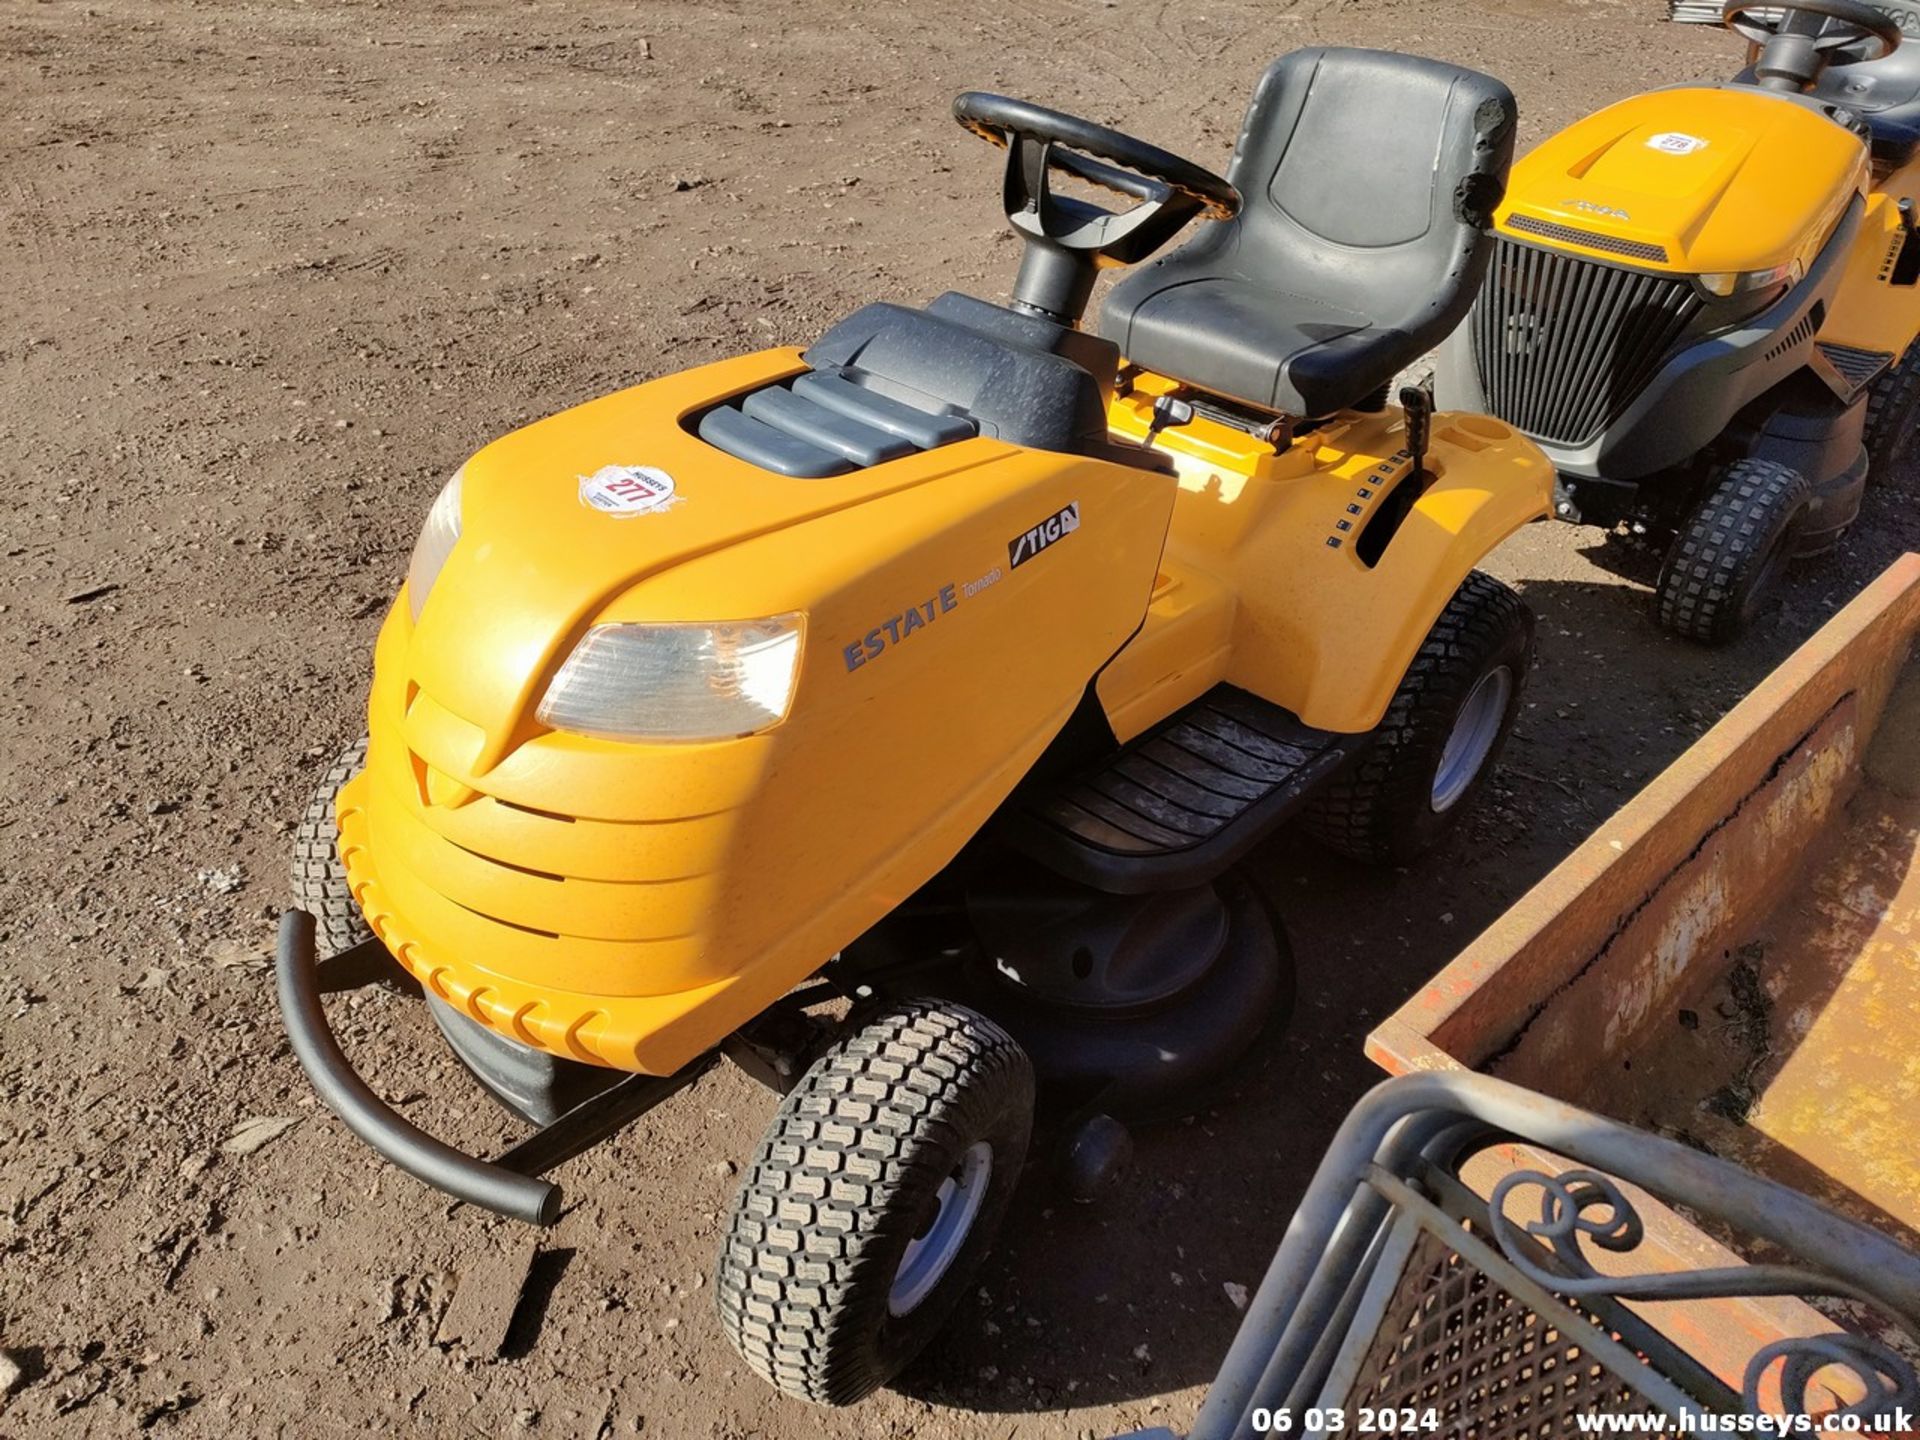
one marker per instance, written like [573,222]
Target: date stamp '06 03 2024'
[1326,1420]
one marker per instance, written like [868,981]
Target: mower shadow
[1134,1298]
[1635,559]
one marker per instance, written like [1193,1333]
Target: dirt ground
[271,270]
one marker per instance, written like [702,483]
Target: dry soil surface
[271,271]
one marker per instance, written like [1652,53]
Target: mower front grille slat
[1564,344]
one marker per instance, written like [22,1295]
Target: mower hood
[632,899]
[566,522]
[1698,180]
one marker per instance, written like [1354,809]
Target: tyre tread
[1361,814]
[1892,401]
[800,1267]
[1702,584]
[319,879]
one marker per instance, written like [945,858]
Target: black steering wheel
[1800,38]
[1068,239]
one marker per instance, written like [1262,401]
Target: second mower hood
[1696,180]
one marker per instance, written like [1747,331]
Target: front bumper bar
[485,1183]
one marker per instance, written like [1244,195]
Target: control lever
[1168,411]
[1906,264]
[1417,401]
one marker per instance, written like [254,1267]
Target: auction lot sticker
[624,491]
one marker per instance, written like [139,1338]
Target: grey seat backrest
[1368,182]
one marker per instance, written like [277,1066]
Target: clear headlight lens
[1743,282]
[430,551]
[677,682]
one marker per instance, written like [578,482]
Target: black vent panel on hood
[824,423]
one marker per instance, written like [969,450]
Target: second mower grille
[1564,345]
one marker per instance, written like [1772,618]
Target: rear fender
[1303,575]
[1331,617]
[1356,626]
[1876,305]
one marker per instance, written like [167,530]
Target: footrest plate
[1180,803]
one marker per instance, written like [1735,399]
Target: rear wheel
[1442,733]
[1893,416]
[319,879]
[1728,555]
[875,1194]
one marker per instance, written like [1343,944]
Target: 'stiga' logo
[1057,526]
[1593,208]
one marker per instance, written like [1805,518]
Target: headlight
[1744,282]
[430,551]
[677,682]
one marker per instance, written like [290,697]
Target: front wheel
[875,1194]
[1442,733]
[1727,556]
[319,879]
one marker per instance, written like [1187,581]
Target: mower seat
[1368,183]
[1884,93]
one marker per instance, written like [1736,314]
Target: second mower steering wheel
[1069,239]
[1795,41]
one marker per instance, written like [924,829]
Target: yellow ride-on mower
[888,717]
[1703,305]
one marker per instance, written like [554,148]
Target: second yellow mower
[1703,305]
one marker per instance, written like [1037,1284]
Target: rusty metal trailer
[1733,960]
[1652,1148]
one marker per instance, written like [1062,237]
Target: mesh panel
[1564,345]
[1592,239]
[1454,1341]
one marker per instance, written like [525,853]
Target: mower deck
[1183,801]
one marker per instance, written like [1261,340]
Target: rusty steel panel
[1646,970]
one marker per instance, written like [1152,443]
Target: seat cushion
[1244,341]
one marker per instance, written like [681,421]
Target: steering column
[1069,240]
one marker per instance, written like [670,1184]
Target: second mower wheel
[1893,416]
[1730,552]
[319,879]
[1441,735]
[875,1194]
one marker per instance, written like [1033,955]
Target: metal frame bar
[509,1185]
[1444,1117]
[467,1177]
[599,1117]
